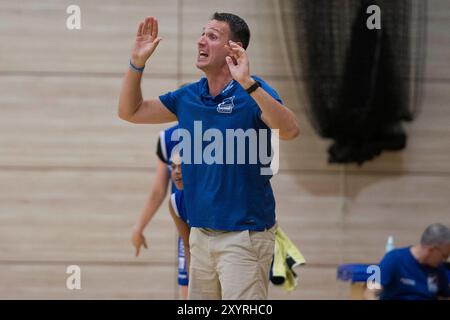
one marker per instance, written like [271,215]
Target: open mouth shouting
[202,54]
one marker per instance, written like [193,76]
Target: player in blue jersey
[231,206]
[177,210]
[158,190]
[156,197]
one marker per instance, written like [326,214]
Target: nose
[201,40]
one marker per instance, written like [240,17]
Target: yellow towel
[286,257]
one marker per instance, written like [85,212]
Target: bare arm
[156,197]
[274,114]
[134,109]
[132,106]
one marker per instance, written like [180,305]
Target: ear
[431,248]
[237,42]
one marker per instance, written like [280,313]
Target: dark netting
[361,83]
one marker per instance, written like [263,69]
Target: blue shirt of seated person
[418,272]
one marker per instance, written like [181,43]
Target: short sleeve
[387,269]
[169,101]
[269,90]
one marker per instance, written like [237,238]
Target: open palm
[146,41]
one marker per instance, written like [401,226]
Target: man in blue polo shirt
[418,272]
[225,122]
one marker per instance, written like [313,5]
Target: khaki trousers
[230,265]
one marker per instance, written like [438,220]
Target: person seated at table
[417,272]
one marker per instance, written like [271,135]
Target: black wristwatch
[253,87]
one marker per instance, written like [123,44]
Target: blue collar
[204,89]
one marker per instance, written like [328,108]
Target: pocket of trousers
[262,243]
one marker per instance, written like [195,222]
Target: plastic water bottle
[390,244]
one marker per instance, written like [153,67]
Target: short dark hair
[436,234]
[238,27]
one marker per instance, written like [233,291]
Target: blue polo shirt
[404,278]
[228,193]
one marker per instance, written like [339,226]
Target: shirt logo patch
[432,282]
[408,282]
[226,106]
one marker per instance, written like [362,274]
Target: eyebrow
[214,30]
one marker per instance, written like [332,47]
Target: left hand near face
[239,71]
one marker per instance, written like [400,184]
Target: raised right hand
[146,41]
